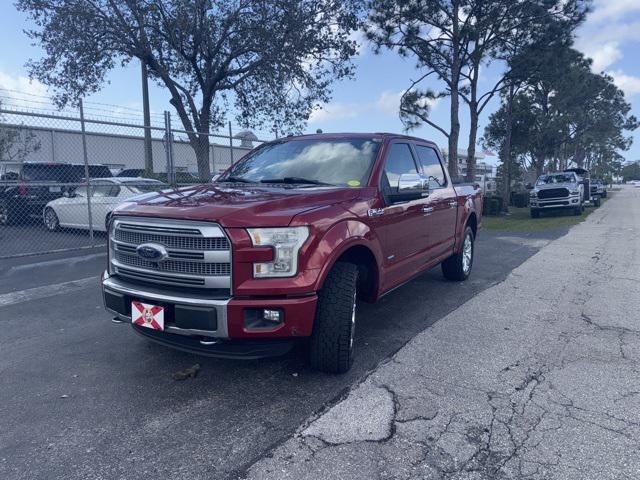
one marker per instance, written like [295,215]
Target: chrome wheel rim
[467,254]
[353,321]
[50,220]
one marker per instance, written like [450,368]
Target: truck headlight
[286,243]
[110,247]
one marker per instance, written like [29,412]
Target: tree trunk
[455,100]
[201,146]
[539,165]
[506,150]
[471,149]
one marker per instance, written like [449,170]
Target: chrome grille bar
[198,254]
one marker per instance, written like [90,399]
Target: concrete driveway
[537,377]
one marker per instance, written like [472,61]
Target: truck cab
[286,243]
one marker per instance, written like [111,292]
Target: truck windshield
[562,178]
[344,162]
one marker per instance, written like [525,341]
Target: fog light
[272,315]
[260,318]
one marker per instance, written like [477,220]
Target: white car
[106,193]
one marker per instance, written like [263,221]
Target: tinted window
[336,162]
[48,173]
[10,172]
[399,161]
[431,166]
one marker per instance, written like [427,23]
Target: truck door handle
[427,209]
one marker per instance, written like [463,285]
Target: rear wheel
[458,266]
[7,213]
[51,220]
[331,345]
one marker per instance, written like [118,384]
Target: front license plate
[147,315]
[55,189]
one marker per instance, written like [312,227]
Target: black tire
[7,213]
[597,202]
[107,219]
[578,210]
[455,267]
[604,194]
[50,219]
[331,344]
[535,213]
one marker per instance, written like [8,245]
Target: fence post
[86,171]
[231,143]
[171,177]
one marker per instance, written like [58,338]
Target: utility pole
[148,153]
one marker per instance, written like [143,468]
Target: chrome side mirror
[412,182]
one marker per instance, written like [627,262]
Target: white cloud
[334,111]
[629,84]
[387,103]
[605,55]
[14,85]
[606,10]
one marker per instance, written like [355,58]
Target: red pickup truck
[282,245]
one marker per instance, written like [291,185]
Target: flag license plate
[147,315]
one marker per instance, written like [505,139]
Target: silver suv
[557,191]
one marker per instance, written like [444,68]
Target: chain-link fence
[63,173]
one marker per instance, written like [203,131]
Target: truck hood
[235,205]
[569,186]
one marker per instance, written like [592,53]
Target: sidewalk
[537,377]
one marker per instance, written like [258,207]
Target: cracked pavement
[537,377]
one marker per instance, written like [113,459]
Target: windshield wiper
[293,180]
[233,179]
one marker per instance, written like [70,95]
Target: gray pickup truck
[557,191]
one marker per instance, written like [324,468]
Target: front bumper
[212,326]
[564,202]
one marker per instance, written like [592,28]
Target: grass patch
[519,220]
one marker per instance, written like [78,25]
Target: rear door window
[431,166]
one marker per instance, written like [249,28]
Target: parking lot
[84,398]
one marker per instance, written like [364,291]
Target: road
[540,385]
[82,398]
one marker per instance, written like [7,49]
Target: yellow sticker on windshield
[353,183]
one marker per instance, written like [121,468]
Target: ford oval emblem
[152,252]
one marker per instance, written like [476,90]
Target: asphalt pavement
[82,398]
[535,378]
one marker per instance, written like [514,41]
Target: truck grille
[553,193]
[198,254]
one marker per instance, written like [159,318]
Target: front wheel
[51,220]
[458,266]
[535,213]
[578,210]
[331,345]
[597,202]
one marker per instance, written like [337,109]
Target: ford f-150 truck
[283,244]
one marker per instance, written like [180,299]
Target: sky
[368,102]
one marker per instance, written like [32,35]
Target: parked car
[131,172]
[557,191]
[282,244]
[584,178]
[72,210]
[26,187]
[598,188]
